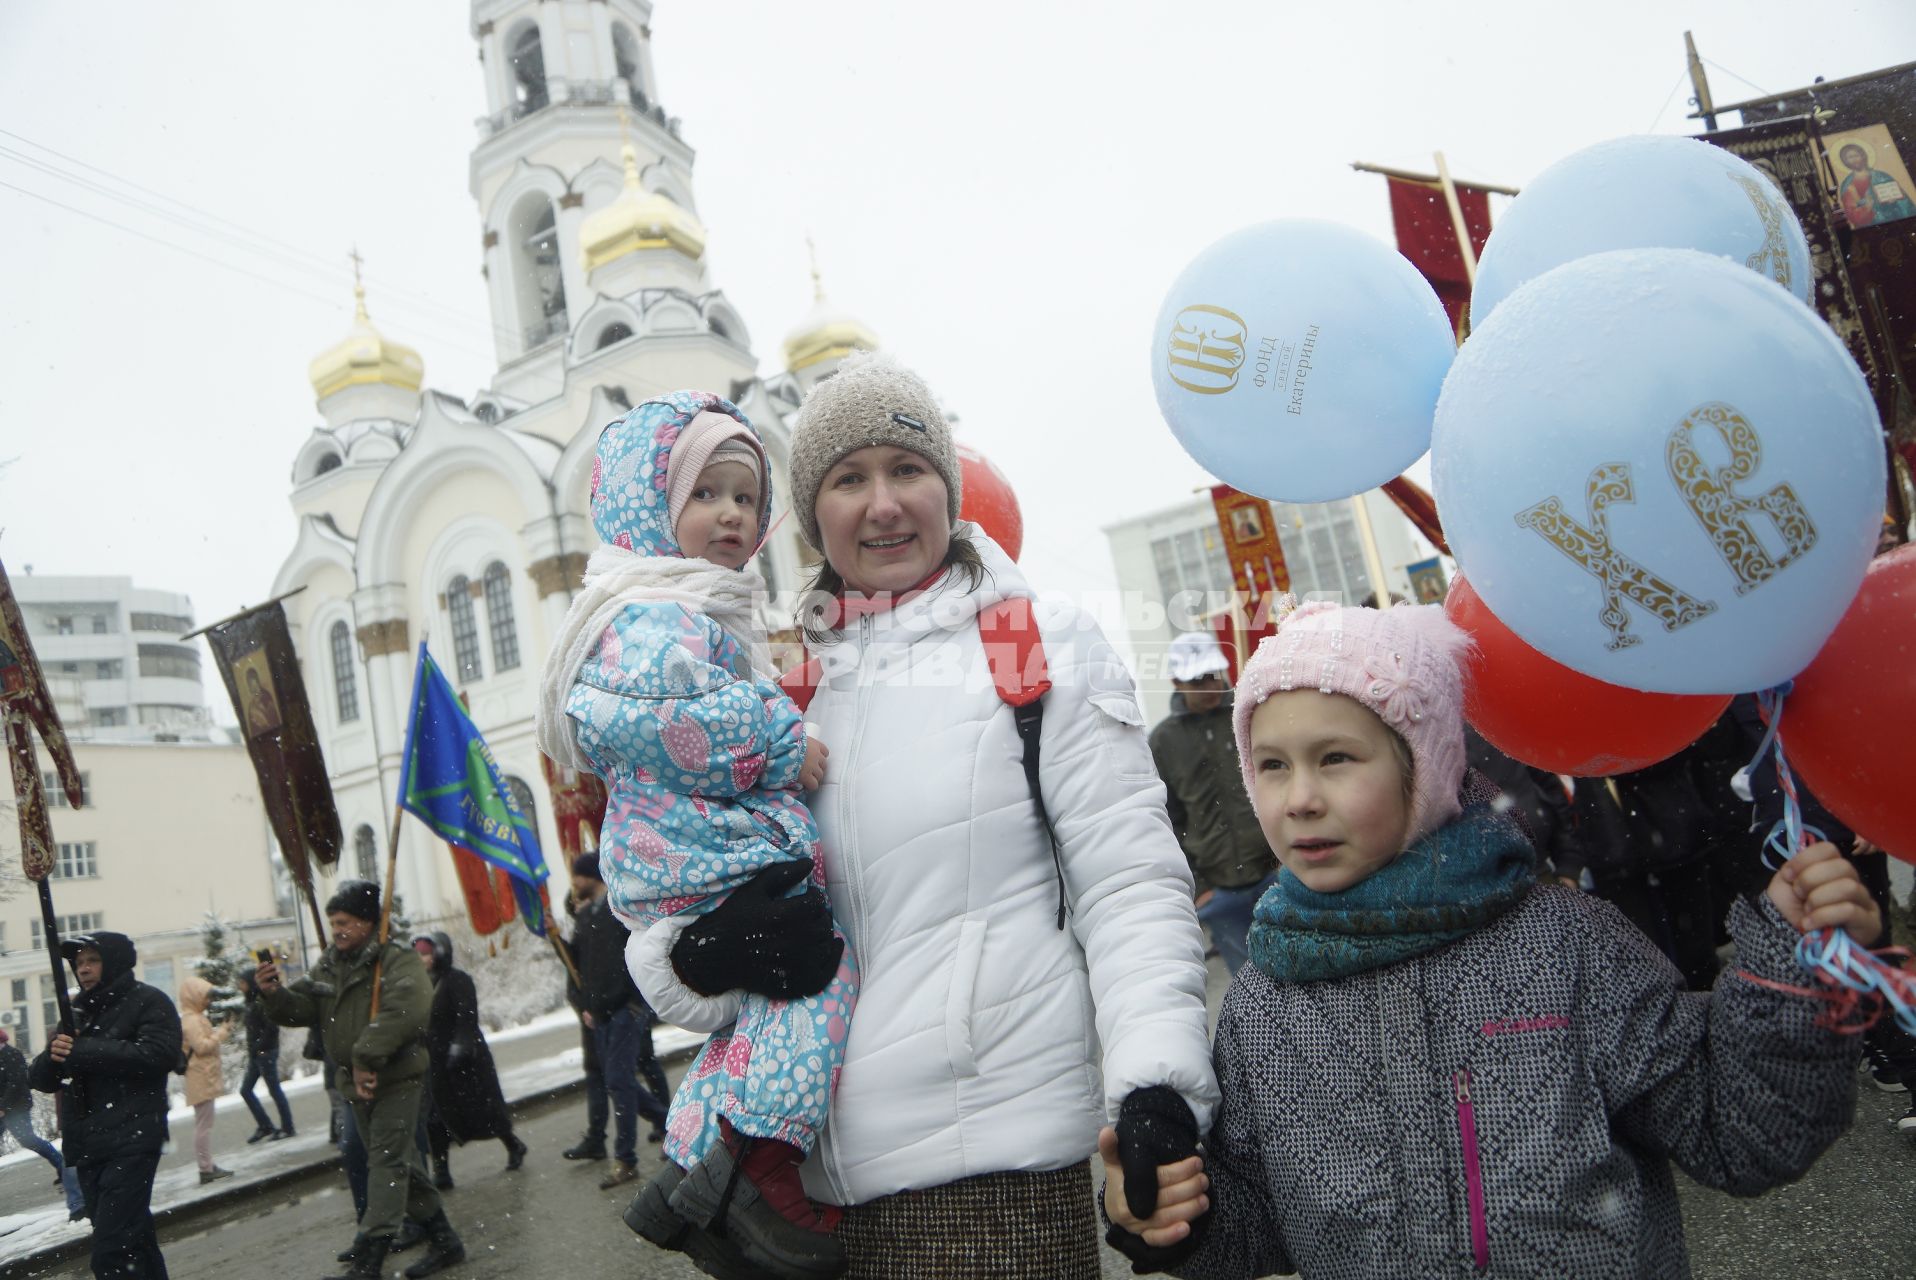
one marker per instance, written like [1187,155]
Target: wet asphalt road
[1854,1216]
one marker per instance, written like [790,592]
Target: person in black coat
[620,1020]
[262,1063]
[16,1113]
[466,1102]
[113,1068]
[598,1106]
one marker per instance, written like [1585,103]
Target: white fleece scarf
[615,578]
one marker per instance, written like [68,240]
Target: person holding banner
[113,1068]
[380,1064]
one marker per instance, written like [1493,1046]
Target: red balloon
[989,502]
[1535,709]
[1849,726]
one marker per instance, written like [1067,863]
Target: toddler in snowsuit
[661,684]
[1436,1065]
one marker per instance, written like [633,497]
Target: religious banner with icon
[1428,585]
[254,652]
[1788,153]
[1249,529]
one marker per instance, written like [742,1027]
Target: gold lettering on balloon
[1773,259]
[1724,514]
[1207,345]
[1623,579]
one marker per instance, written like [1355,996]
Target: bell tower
[574,126]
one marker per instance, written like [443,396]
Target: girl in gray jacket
[1435,1065]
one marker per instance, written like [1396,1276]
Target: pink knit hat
[1405,664]
[706,434]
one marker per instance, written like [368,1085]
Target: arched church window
[528,71]
[345,684]
[625,56]
[538,279]
[505,637]
[327,462]
[487,412]
[522,798]
[366,854]
[617,331]
[719,327]
[465,629]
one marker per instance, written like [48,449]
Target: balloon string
[1853,983]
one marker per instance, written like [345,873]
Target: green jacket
[1196,756]
[337,997]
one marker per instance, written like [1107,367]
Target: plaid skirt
[1001,1226]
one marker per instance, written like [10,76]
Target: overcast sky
[1002,190]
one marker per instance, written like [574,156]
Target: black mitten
[761,941]
[1155,1126]
[1148,1259]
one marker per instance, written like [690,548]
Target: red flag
[487,890]
[1426,235]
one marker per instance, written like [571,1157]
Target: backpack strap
[1015,653]
[801,683]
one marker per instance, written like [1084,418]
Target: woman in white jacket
[990,1042]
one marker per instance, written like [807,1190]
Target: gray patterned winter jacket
[1510,1105]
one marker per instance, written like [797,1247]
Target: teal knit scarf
[1448,885]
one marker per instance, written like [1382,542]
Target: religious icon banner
[254,652]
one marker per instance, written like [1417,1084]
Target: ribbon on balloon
[1847,974]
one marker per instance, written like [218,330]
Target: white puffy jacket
[981,1028]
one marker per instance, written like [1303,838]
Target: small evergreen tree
[221,969]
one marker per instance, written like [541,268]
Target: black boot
[515,1151]
[260,1134]
[369,1260]
[588,1148]
[351,1251]
[651,1215]
[442,1173]
[410,1234]
[747,1191]
[443,1248]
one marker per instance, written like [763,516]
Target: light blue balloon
[1643,193]
[1662,470]
[1300,360]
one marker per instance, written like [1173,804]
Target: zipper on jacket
[1473,1174]
[828,1150]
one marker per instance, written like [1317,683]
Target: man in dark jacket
[620,1021]
[262,1063]
[598,1108]
[1196,756]
[113,1068]
[379,1064]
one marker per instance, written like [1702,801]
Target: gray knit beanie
[870,400]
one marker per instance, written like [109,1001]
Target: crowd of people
[941,905]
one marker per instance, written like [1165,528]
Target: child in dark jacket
[1437,1066]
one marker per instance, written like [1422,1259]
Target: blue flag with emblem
[452,784]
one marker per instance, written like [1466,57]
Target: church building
[464,521]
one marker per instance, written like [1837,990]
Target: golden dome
[363,357]
[638,219]
[827,333]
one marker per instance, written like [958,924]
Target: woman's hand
[1181,1196]
[761,941]
[1819,889]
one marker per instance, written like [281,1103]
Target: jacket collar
[947,605]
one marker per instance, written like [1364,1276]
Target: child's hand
[1819,889]
[812,772]
[1181,1197]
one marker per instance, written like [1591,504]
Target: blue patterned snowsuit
[701,763]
